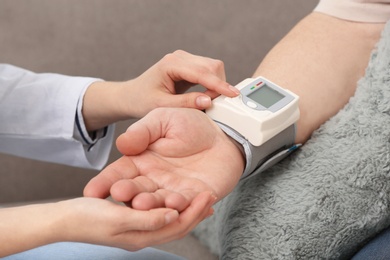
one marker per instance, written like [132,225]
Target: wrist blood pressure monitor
[262,119]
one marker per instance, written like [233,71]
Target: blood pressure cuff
[260,158]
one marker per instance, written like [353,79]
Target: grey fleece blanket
[329,198]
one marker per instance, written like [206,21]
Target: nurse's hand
[162,85]
[97,221]
[102,222]
[171,155]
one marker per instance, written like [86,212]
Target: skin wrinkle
[169,177]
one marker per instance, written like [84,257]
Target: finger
[140,134]
[100,185]
[126,190]
[161,198]
[215,84]
[150,220]
[135,140]
[177,201]
[199,209]
[147,201]
[201,75]
[188,100]
[207,72]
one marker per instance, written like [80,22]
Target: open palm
[170,156]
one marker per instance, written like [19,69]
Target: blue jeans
[77,251]
[377,249]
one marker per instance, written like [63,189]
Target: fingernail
[203,101]
[234,89]
[171,216]
[213,198]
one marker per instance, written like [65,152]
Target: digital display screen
[266,96]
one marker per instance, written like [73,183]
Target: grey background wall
[118,40]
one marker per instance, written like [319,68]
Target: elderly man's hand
[170,156]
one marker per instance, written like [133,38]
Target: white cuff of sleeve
[80,132]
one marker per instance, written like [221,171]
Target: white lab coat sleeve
[38,119]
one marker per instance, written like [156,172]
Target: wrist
[239,147]
[52,223]
[65,223]
[260,158]
[102,105]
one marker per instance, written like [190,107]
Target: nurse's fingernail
[203,101]
[171,216]
[234,89]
